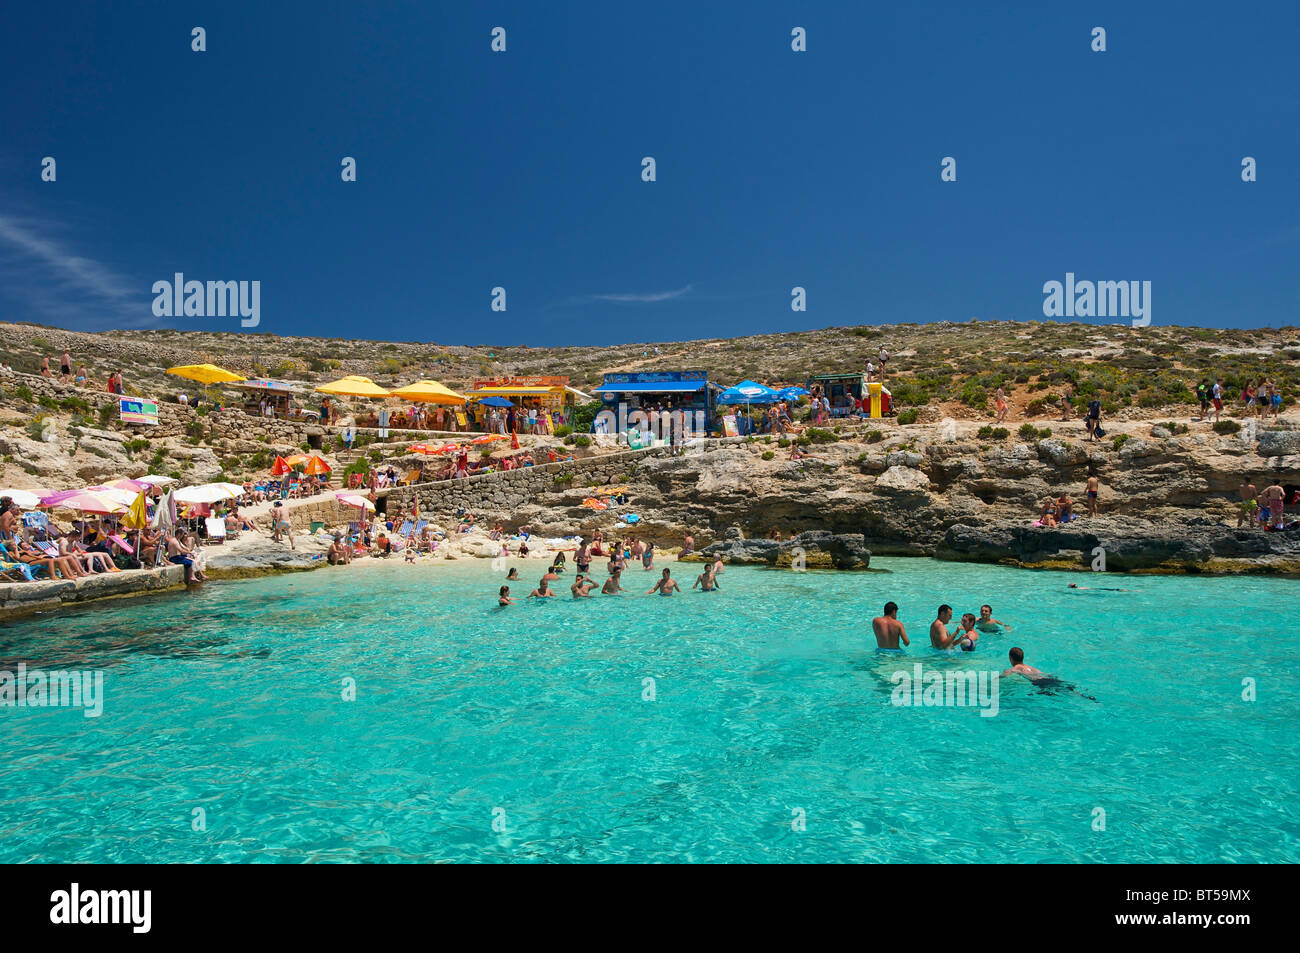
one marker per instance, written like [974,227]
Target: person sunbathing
[1064,507]
[1048,515]
[25,553]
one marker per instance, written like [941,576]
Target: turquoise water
[769,701]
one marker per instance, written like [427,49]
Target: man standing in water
[706,580]
[581,587]
[888,629]
[666,585]
[611,586]
[939,636]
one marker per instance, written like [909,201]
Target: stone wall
[23,598]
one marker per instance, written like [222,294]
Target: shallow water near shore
[771,711]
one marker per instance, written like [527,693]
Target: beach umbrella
[428,392]
[316,466]
[206,374]
[208,493]
[352,499]
[421,448]
[154,479]
[138,515]
[25,499]
[448,448]
[125,497]
[135,486]
[280,467]
[353,386]
[296,459]
[496,402]
[83,501]
[748,392]
[488,438]
[792,393]
[164,515]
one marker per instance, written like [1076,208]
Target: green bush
[582,440]
[1028,431]
[818,435]
[1000,433]
[563,430]
[584,414]
[768,455]
[75,404]
[908,416]
[1120,440]
[985,431]
[23,392]
[1227,427]
[875,436]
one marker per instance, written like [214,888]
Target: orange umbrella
[448,448]
[422,448]
[316,466]
[280,467]
[297,460]
[488,438]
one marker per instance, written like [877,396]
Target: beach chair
[411,477]
[216,530]
[38,523]
[123,545]
[16,567]
[405,531]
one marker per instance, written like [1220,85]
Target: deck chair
[123,545]
[216,530]
[411,477]
[405,531]
[38,523]
[9,566]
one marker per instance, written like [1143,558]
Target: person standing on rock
[1217,394]
[65,367]
[1090,491]
[1248,507]
[1066,396]
[1094,416]
[45,366]
[888,629]
[1002,405]
[1274,500]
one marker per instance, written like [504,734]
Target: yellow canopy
[523,390]
[206,374]
[353,386]
[138,515]
[429,392]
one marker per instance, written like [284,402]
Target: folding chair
[38,523]
[216,530]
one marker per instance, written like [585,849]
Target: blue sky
[522,169]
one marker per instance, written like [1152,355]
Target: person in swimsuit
[888,629]
[503,597]
[1248,506]
[65,366]
[611,586]
[648,557]
[1090,491]
[1002,405]
[543,589]
[717,566]
[987,623]
[582,586]
[1018,666]
[666,585]
[513,573]
[966,635]
[939,635]
[706,580]
[1075,585]
[582,558]
[280,523]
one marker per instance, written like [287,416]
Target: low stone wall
[23,598]
[508,489]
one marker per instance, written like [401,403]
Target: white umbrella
[26,499]
[117,495]
[153,479]
[352,499]
[208,493]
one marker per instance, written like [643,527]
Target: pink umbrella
[83,500]
[135,486]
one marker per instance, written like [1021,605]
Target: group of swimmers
[584,583]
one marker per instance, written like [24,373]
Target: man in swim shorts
[1248,506]
[987,623]
[280,523]
[1090,490]
[583,556]
[1274,500]
[666,585]
[888,629]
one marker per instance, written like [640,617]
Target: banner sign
[137,410]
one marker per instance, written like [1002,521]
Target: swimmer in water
[706,581]
[611,586]
[543,589]
[503,598]
[665,586]
[966,635]
[581,587]
[1075,585]
[987,623]
[513,573]
[888,629]
[1037,677]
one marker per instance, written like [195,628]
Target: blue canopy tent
[496,402]
[748,392]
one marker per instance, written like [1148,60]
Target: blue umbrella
[792,393]
[748,392]
[496,402]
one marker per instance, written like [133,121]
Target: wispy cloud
[62,283]
[639,298]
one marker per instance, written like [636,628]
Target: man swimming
[1037,677]
[987,623]
[888,629]
[666,585]
[582,586]
[1075,585]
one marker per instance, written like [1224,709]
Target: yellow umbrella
[296,459]
[429,392]
[138,515]
[353,386]
[206,374]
